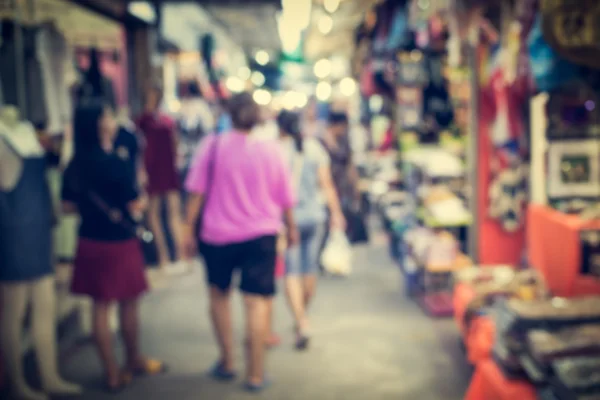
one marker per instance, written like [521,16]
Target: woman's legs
[155,223]
[310,261]
[174,215]
[301,280]
[272,337]
[129,320]
[220,312]
[257,309]
[104,344]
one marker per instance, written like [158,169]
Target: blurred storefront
[47,50]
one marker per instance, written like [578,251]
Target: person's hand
[338,221]
[188,238]
[293,237]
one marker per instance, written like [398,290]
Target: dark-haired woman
[310,166]
[109,265]
[247,188]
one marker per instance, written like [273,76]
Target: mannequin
[26,275]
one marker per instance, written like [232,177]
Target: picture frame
[573,169]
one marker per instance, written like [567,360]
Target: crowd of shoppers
[247,192]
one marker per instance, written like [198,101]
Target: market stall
[541,343]
[48,48]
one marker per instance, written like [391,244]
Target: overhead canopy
[340,40]
[252,25]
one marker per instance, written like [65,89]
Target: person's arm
[192,209]
[285,194]
[196,183]
[68,193]
[333,202]
[327,186]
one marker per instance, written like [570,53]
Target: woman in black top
[109,265]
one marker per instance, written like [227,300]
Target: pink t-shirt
[250,187]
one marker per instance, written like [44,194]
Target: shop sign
[572,29]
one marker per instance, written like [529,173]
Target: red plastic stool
[489,383]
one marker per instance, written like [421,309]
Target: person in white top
[316,196]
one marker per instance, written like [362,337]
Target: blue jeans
[303,259]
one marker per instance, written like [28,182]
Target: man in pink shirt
[245,188]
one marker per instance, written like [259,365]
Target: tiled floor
[370,342]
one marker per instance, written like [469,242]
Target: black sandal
[125,380]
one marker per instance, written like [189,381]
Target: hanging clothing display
[26,215]
[54,57]
[160,156]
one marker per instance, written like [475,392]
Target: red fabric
[109,271]
[480,340]
[496,246]
[160,153]
[367,83]
[388,140]
[586,286]
[555,250]
[488,383]
[463,295]
[280,267]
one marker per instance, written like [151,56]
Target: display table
[554,246]
[489,383]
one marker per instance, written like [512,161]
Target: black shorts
[255,260]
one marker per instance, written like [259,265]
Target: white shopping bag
[336,258]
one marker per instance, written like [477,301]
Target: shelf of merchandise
[430,285]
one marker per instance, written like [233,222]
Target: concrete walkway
[370,342]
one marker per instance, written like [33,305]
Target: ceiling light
[323,91]
[331,5]
[347,86]
[143,10]
[297,13]
[235,84]
[301,100]
[262,57]
[325,24]
[262,97]
[322,68]
[257,78]
[290,35]
[293,100]
[244,73]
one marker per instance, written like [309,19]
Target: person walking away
[343,170]
[160,159]
[109,265]
[312,177]
[244,188]
[312,126]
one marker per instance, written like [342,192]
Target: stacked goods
[553,342]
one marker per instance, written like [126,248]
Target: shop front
[531,331]
[49,50]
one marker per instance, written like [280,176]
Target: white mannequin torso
[20,138]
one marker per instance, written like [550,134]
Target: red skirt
[109,271]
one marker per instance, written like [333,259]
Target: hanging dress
[160,156]
[26,220]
